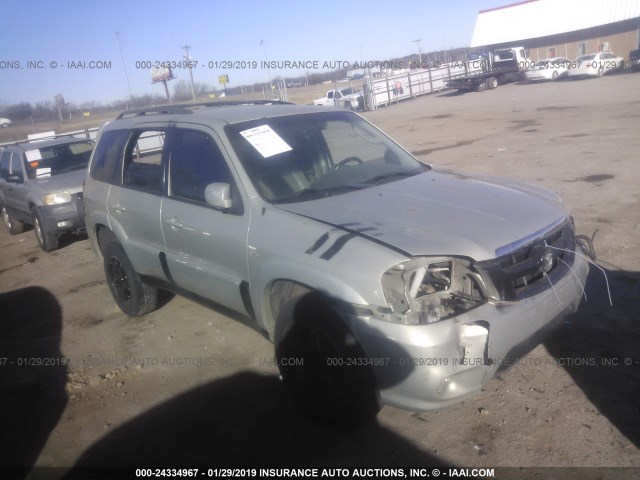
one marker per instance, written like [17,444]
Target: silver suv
[41,185]
[379,279]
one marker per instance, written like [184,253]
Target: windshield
[301,157]
[586,58]
[56,159]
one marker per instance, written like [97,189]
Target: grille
[516,274]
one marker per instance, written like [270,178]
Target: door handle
[118,207]
[173,222]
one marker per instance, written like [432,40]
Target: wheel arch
[274,288]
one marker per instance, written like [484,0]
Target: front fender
[286,270]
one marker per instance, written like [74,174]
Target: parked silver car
[41,185]
[378,278]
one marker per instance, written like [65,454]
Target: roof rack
[185,108]
[58,136]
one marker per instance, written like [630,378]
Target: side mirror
[218,195]
[13,178]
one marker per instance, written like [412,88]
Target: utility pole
[124,65]
[417,42]
[266,58]
[187,56]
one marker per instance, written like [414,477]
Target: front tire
[48,241]
[13,226]
[554,76]
[134,297]
[324,367]
[492,83]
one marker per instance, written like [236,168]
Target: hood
[440,213]
[69,181]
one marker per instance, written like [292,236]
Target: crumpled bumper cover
[425,367]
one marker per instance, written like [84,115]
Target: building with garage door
[561,28]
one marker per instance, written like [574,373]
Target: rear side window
[142,167]
[107,155]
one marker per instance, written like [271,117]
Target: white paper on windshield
[43,172]
[266,141]
[33,155]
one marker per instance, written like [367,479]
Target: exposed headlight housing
[56,198]
[429,289]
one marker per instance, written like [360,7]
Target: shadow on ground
[245,420]
[599,347]
[32,375]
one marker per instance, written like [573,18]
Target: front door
[205,247]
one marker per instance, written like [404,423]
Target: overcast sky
[45,44]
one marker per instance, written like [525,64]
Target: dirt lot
[205,390]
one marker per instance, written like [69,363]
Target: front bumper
[425,367]
[64,217]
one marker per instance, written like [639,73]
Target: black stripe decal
[337,246]
[318,243]
[342,227]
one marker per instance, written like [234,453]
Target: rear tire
[14,226]
[554,76]
[324,367]
[134,297]
[48,241]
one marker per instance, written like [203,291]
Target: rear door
[205,247]
[134,204]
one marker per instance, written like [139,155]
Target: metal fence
[409,84]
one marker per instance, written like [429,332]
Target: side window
[108,153]
[196,161]
[5,161]
[142,167]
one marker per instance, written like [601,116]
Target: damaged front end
[453,321]
[425,290]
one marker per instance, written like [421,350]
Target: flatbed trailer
[504,66]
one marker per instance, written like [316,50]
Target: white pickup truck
[346,98]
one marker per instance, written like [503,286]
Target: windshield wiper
[315,192]
[389,177]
